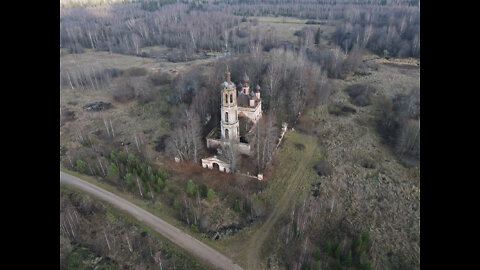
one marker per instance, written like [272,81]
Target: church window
[226,134]
[226,117]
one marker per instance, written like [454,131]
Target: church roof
[228,85]
[243,101]
[245,78]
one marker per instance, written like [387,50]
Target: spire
[245,78]
[228,75]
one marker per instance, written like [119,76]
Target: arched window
[226,134]
[226,117]
[231,98]
[226,98]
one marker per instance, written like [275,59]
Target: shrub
[300,146]
[136,71]
[123,91]
[159,78]
[360,94]
[323,168]
[341,110]
[81,166]
[369,163]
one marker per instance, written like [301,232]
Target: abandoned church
[241,109]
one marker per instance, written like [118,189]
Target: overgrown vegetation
[93,235]
[398,120]
[360,94]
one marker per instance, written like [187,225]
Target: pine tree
[318,255]
[210,194]
[129,179]
[338,251]
[81,165]
[348,260]
[236,206]
[203,190]
[113,171]
[191,188]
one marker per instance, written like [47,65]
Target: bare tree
[184,141]
[265,139]
[230,153]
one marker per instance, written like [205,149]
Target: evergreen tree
[81,166]
[121,157]
[365,241]
[210,194]
[129,179]
[348,259]
[159,181]
[113,171]
[167,185]
[236,206]
[318,255]
[113,157]
[203,190]
[191,188]
[356,245]
[338,251]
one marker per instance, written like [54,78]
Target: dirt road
[284,203]
[180,238]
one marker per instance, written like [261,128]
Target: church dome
[245,78]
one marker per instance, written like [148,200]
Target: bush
[323,168]
[341,110]
[123,91]
[136,71]
[300,146]
[360,94]
[368,163]
[159,78]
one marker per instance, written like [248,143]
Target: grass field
[285,27]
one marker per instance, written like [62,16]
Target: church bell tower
[229,111]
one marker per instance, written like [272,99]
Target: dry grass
[285,28]
[384,200]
